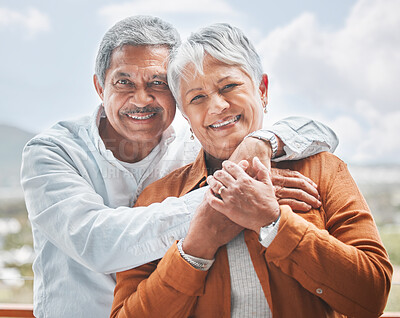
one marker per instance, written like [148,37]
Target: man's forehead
[136,72]
[142,56]
[140,59]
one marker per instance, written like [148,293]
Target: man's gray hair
[223,42]
[137,31]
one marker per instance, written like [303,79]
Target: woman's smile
[227,122]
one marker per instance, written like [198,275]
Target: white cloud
[347,77]
[116,12]
[33,21]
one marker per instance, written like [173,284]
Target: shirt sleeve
[303,137]
[167,289]
[65,209]
[268,233]
[345,264]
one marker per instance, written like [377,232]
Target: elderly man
[82,177]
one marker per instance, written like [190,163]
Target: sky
[333,61]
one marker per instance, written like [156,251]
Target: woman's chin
[219,153]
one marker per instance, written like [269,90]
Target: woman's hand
[249,202]
[208,231]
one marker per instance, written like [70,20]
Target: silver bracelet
[196,264]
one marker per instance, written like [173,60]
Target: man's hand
[295,190]
[252,147]
[247,201]
[208,231]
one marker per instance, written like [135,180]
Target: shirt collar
[94,127]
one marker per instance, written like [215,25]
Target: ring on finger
[220,190]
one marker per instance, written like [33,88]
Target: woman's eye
[229,86]
[196,98]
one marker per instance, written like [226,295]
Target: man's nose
[141,98]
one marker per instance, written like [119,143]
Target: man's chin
[143,137]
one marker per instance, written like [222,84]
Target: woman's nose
[217,104]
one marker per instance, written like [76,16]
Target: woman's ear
[184,116]
[264,89]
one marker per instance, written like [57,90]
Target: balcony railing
[26,310]
[16,310]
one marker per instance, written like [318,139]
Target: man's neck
[123,149]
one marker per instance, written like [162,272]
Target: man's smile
[141,116]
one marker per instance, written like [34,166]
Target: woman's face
[222,106]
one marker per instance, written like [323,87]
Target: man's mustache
[141,110]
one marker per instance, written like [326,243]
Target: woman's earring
[191,136]
[265,109]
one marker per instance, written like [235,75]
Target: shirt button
[319,291]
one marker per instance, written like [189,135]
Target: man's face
[137,101]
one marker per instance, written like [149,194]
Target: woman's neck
[213,164]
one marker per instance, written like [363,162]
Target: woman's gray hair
[136,30]
[223,42]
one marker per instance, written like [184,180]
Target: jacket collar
[197,174]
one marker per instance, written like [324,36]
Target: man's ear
[264,89]
[99,89]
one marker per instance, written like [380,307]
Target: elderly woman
[244,255]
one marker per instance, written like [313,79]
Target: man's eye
[158,85]
[123,82]
[197,98]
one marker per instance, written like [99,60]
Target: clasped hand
[252,202]
[249,202]
[236,201]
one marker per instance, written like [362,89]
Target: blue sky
[335,61]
